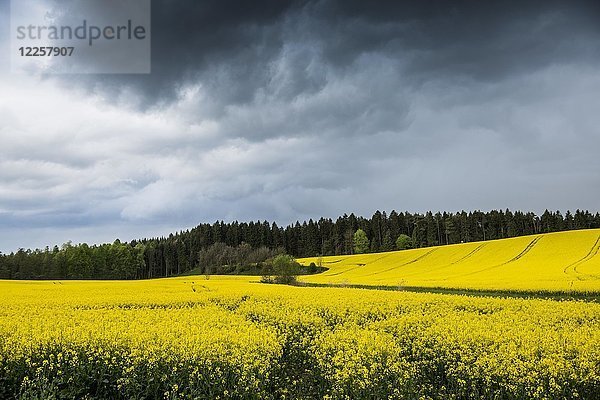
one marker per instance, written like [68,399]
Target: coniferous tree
[180,252]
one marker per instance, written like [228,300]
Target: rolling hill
[562,261]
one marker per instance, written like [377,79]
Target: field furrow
[562,261]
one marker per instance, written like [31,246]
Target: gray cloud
[231,46]
[292,110]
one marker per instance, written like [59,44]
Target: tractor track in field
[440,267]
[523,252]
[465,257]
[422,256]
[343,272]
[594,250]
[471,253]
[358,266]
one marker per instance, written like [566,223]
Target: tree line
[229,247]
[106,261]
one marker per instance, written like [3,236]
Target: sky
[290,110]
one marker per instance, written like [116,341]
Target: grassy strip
[550,295]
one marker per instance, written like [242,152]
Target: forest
[234,247]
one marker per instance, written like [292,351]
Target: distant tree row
[239,243]
[106,261]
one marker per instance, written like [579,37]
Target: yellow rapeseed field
[564,261]
[195,338]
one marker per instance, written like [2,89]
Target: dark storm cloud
[344,68]
[190,38]
[230,45]
[286,110]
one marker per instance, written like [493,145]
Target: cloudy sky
[286,110]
